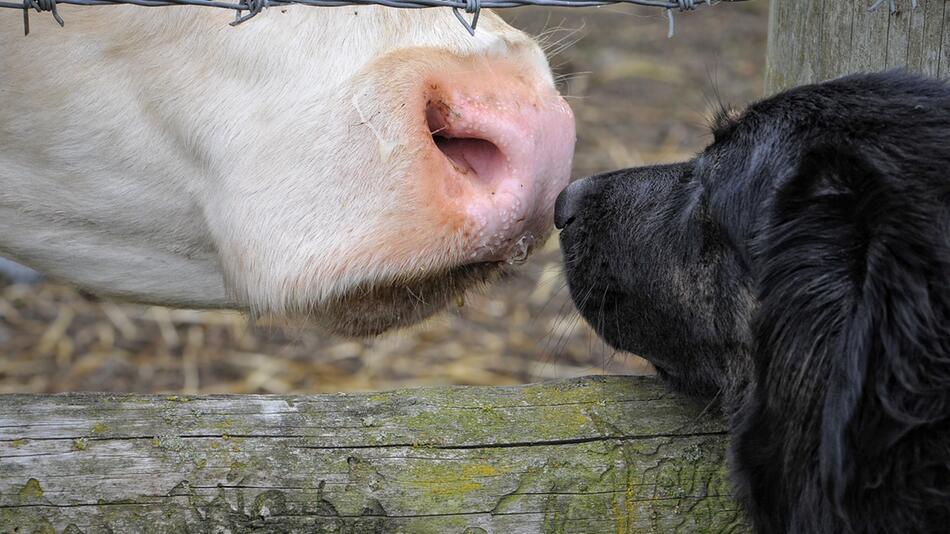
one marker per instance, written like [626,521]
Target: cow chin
[369,309]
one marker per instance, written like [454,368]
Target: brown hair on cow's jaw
[371,309]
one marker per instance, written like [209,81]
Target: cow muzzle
[500,149]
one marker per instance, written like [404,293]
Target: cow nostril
[469,154]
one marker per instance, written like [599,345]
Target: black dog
[798,271]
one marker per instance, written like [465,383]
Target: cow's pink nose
[502,145]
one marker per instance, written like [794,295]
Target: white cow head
[358,166]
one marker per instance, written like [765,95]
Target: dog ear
[851,273]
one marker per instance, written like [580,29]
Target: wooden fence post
[815,40]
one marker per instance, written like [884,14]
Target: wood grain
[815,40]
[589,455]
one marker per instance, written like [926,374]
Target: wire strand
[254,7]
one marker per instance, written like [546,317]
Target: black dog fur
[798,272]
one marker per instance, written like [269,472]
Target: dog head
[798,267]
[652,271]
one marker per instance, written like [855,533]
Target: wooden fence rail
[589,455]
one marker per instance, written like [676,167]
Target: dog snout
[571,201]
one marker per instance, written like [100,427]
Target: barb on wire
[253,8]
[472,7]
[684,5]
[39,6]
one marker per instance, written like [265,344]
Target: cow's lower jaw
[373,308]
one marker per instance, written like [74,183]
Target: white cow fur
[163,156]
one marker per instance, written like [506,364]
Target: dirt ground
[639,98]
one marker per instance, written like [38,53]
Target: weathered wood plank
[944,52]
[926,26]
[816,40]
[836,37]
[898,38]
[590,455]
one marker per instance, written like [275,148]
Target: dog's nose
[569,202]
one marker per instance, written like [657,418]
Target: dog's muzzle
[571,200]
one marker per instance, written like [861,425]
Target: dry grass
[638,97]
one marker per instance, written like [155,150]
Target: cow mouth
[370,309]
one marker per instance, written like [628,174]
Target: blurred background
[639,98]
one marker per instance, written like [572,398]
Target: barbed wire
[254,7]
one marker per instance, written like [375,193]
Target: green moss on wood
[31,490]
[18,521]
